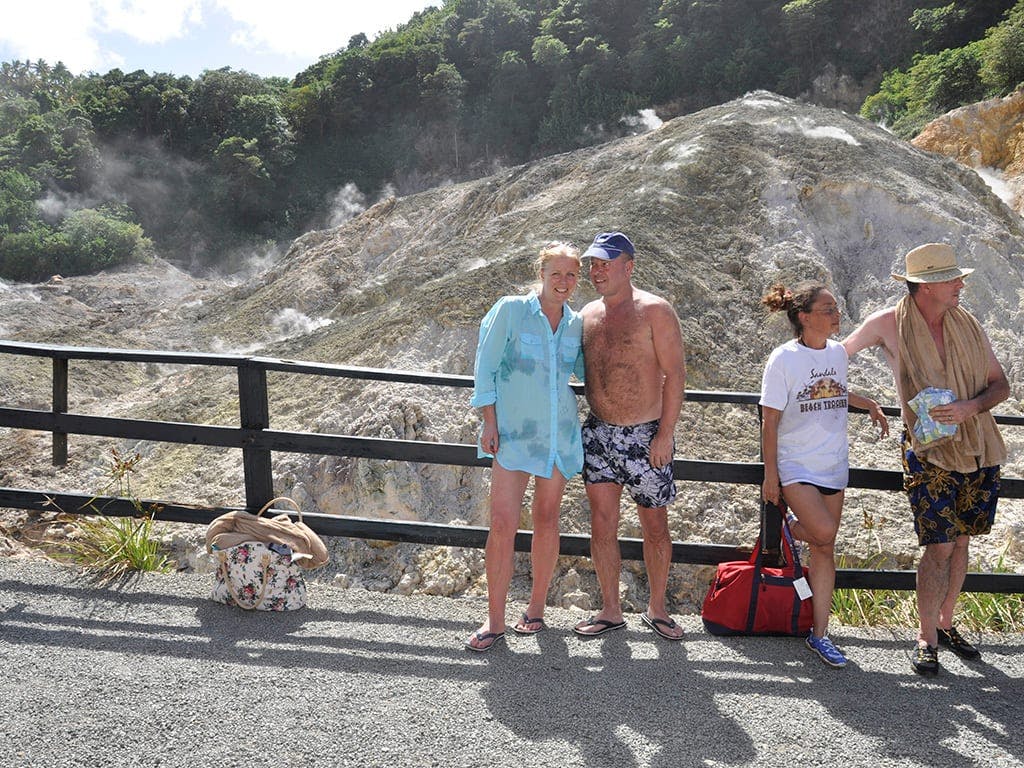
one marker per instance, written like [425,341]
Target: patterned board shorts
[616,454]
[947,504]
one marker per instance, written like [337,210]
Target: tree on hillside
[87,240]
[441,105]
[18,210]
[99,239]
[175,104]
[242,188]
[803,22]
[1002,67]
[936,83]
[213,103]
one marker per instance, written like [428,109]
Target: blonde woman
[529,347]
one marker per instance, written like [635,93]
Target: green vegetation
[115,548]
[937,82]
[101,169]
[976,611]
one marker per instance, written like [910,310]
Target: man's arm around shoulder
[877,330]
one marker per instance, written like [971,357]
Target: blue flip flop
[481,636]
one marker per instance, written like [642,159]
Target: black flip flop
[481,636]
[656,625]
[521,627]
[606,626]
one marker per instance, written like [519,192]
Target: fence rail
[257,442]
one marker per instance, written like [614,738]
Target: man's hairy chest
[616,344]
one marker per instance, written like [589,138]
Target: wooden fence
[258,441]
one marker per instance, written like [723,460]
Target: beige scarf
[977,442]
[234,528]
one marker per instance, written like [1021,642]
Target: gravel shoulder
[151,673]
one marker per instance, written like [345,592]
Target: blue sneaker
[826,650]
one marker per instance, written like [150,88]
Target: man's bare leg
[605,552]
[658,560]
[933,584]
[957,574]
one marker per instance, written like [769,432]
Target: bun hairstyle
[795,301]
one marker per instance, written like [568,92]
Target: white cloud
[28,32]
[311,28]
[79,32]
[146,21]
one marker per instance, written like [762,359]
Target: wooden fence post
[255,414]
[60,405]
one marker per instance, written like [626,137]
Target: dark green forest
[98,170]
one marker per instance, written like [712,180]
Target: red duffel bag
[749,598]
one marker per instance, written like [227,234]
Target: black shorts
[821,489]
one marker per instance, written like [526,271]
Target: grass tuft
[113,548]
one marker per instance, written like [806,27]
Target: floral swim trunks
[947,504]
[617,454]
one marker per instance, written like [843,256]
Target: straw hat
[932,263]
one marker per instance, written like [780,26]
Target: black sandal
[926,660]
[956,643]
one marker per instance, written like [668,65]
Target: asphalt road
[152,673]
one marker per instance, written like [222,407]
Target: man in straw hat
[952,449]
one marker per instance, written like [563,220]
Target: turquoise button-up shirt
[523,369]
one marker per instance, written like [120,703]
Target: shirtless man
[952,482]
[635,377]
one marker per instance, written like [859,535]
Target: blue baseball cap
[609,245]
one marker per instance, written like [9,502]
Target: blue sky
[185,37]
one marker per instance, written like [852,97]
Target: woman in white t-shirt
[804,399]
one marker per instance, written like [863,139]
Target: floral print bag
[258,576]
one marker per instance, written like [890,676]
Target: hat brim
[941,276]
[597,252]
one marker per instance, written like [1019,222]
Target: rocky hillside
[720,204]
[988,137]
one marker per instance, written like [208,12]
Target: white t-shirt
[809,387]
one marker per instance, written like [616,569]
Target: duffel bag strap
[790,547]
